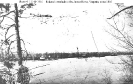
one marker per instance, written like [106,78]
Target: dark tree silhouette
[19,51]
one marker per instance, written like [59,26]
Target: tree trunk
[19,52]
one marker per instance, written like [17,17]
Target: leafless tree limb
[7,29]
[128,42]
[11,18]
[10,46]
[7,14]
[120,11]
[6,41]
[2,20]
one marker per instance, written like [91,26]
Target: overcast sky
[69,27]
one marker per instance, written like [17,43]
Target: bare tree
[14,15]
[125,40]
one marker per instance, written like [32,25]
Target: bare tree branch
[7,29]
[24,47]
[10,46]
[6,41]
[25,17]
[11,18]
[7,14]
[120,11]
[125,39]
[2,20]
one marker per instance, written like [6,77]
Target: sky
[71,26]
[72,30]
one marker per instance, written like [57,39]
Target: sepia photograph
[66,42]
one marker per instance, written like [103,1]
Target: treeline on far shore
[61,55]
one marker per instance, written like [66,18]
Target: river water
[73,70]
